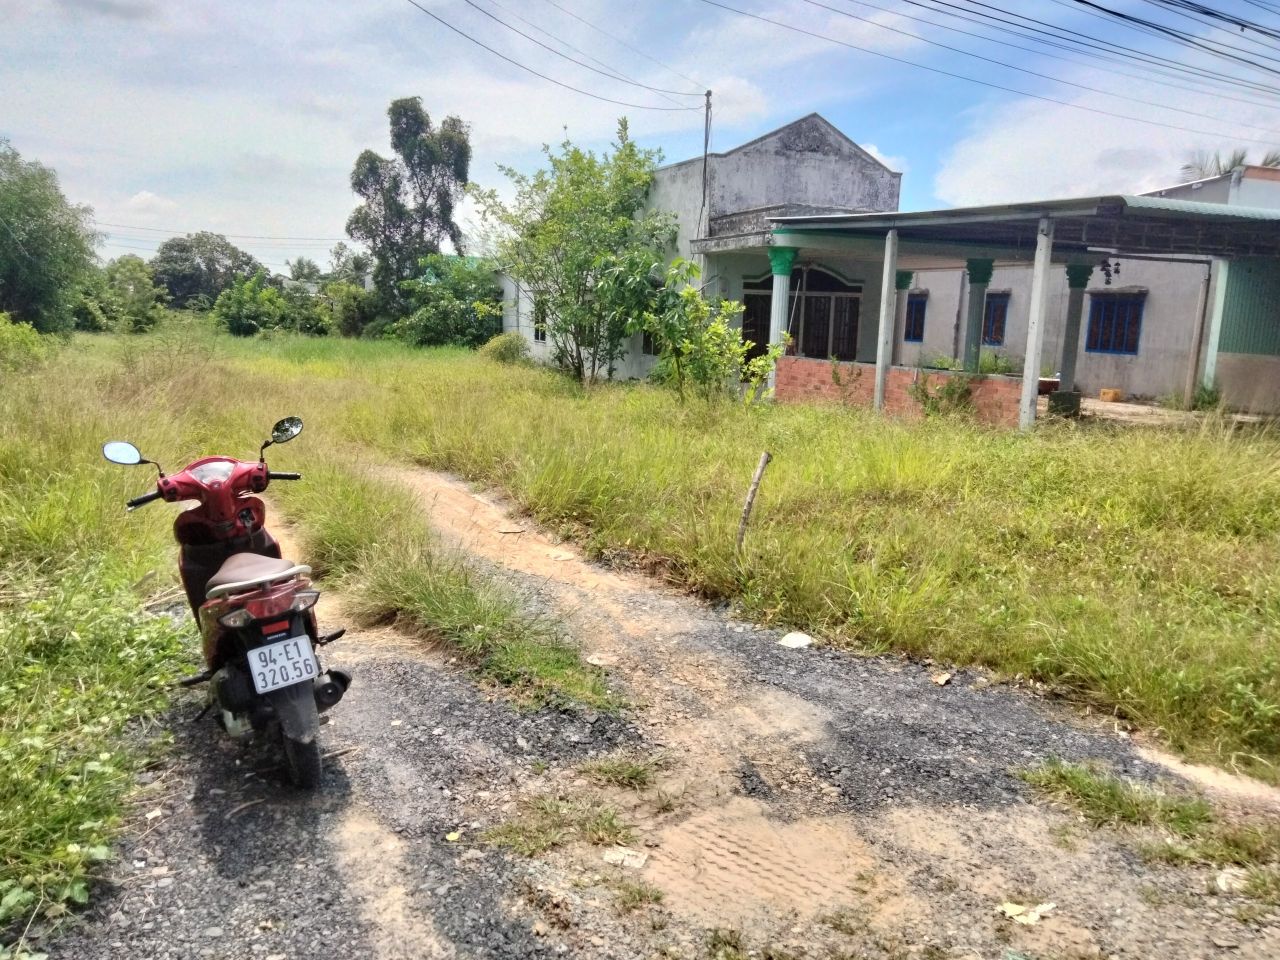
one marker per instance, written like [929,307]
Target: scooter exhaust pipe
[330,687]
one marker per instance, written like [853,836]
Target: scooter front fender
[295,708]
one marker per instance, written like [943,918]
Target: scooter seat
[243,571]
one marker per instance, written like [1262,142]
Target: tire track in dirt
[821,785]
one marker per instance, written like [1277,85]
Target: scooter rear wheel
[305,764]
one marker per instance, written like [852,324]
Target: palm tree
[1201,165]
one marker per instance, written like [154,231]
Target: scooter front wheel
[305,763]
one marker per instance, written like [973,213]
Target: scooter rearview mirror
[286,430]
[125,454]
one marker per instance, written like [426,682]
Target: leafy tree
[1202,165]
[699,341]
[409,199]
[348,266]
[46,245]
[97,309]
[304,313]
[569,228]
[351,307]
[304,269]
[197,268]
[456,302]
[132,286]
[249,306]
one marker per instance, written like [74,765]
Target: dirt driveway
[807,803]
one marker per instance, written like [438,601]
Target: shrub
[304,313]
[456,303]
[954,395]
[249,306]
[510,347]
[351,307]
[20,346]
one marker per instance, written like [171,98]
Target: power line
[623,43]
[975,80]
[1209,46]
[986,38]
[1033,73]
[569,46]
[1061,35]
[1128,50]
[498,20]
[515,63]
[238,236]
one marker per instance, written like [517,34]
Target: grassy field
[1135,569]
[81,658]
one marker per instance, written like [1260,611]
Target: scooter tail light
[236,619]
[304,600]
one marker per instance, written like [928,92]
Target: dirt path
[808,803]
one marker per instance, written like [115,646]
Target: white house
[1153,316]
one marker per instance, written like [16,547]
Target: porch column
[1035,324]
[781,259]
[979,270]
[888,314]
[1221,272]
[1077,279]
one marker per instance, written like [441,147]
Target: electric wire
[234,236]
[498,20]
[623,43]
[568,46]
[986,38]
[542,76]
[1209,46]
[1062,35]
[975,80]
[1033,73]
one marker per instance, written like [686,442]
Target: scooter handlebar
[272,475]
[145,498]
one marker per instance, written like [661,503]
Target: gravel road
[809,802]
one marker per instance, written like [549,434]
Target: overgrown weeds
[1192,833]
[547,822]
[1104,798]
[630,771]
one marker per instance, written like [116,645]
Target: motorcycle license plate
[282,664]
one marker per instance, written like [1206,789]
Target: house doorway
[822,316]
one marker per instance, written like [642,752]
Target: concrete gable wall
[806,163]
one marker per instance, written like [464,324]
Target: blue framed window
[916,304]
[993,320]
[1115,324]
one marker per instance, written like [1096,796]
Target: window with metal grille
[539,321]
[916,304]
[997,312]
[1115,324]
[648,345]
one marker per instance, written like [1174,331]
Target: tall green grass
[80,656]
[1139,569]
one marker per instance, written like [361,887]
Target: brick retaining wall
[995,399]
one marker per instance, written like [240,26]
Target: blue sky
[245,117]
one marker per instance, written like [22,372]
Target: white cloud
[147,205]
[1028,150]
[896,163]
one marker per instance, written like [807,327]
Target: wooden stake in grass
[751,497]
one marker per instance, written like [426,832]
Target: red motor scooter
[254,609]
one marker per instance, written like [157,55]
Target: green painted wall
[1251,310]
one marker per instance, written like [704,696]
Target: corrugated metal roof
[1108,205]
[1198,208]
